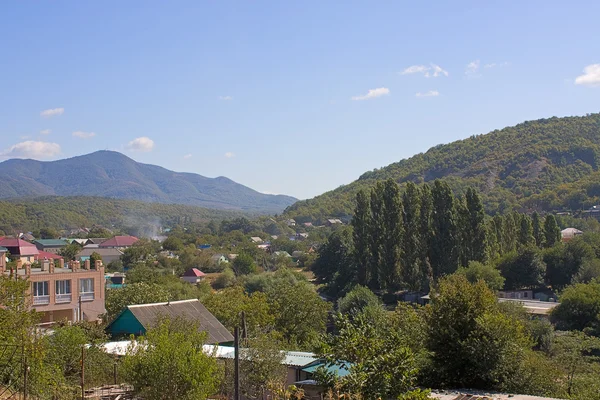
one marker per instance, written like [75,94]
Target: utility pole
[80,310]
[236,377]
[82,371]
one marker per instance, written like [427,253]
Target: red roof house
[19,247]
[46,255]
[119,242]
[193,275]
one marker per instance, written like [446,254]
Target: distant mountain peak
[107,173]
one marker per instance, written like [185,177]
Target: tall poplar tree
[361,235]
[498,229]
[538,233]
[425,237]
[478,246]
[551,231]
[411,242]
[509,234]
[526,231]
[444,246]
[392,239]
[376,235]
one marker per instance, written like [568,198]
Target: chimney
[61,263]
[27,269]
[86,264]
[51,267]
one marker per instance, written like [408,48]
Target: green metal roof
[342,369]
[51,242]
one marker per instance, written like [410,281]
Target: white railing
[88,296]
[40,300]
[63,298]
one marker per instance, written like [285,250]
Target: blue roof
[3,249]
[342,369]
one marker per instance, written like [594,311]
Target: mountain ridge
[546,165]
[113,175]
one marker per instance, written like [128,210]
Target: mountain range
[546,165]
[113,175]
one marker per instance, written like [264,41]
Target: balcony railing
[88,296]
[41,300]
[63,298]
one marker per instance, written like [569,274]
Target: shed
[193,275]
[137,319]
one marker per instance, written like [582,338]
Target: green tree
[243,264]
[228,304]
[538,233]
[379,363]
[579,308]
[335,264]
[475,229]
[225,279]
[509,234]
[300,314]
[425,237]
[356,300]
[70,251]
[261,367]
[551,231]
[526,237]
[135,293]
[169,363]
[444,245]
[392,236]
[472,343]
[49,233]
[360,233]
[173,243]
[376,235]
[574,353]
[95,257]
[411,243]
[478,271]
[563,262]
[523,270]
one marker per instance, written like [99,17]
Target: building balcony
[41,300]
[88,296]
[63,298]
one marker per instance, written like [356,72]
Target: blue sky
[292,97]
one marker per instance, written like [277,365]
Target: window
[63,287]
[86,285]
[86,289]
[41,294]
[40,289]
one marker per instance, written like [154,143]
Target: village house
[137,319]
[290,222]
[193,275]
[60,292]
[219,258]
[119,242]
[20,249]
[108,254]
[569,234]
[333,221]
[50,245]
[256,239]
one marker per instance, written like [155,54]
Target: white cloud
[433,70]
[373,93]
[143,143]
[52,112]
[84,135]
[225,98]
[591,76]
[187,156]
[229,154]
[32,149]
[472,68]
[430,93]
[46,132]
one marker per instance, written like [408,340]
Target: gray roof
[86,252]
[193,310]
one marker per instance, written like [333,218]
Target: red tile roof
[19,247]
[119,241]
[47,255]
[194,272]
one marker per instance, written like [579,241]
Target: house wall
[54,311]
[191,279]
[126,324]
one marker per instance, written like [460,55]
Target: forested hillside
[114,175]
[77,212]
[544,165]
